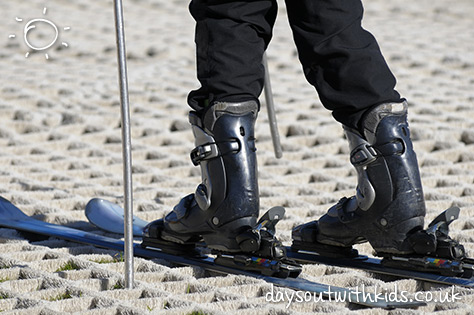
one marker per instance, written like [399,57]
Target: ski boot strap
[213,150]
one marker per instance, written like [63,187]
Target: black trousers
[339,58]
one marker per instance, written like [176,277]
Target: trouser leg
[341,59]
[231,37]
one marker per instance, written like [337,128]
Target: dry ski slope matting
[60,147]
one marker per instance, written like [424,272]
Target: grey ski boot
[224,209]
[388,206]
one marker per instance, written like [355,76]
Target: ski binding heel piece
[435,240]
[261,250]
[251,240]
[435,251]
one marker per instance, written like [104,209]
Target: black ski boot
[388,206]
[224,209]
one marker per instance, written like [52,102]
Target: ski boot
[224,209]
[388,206]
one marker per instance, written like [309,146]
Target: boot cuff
[220,108]
[375,116]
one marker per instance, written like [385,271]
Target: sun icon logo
[44,45]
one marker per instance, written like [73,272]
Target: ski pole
[271,110]
[126,143]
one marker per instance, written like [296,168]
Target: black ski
[109,217]
[12,217]
[376,265]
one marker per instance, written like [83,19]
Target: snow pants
[339,58]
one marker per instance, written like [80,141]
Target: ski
[376,265]
[109,217]
[14,218]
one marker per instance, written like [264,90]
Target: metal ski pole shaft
[271,110]
[126,143]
